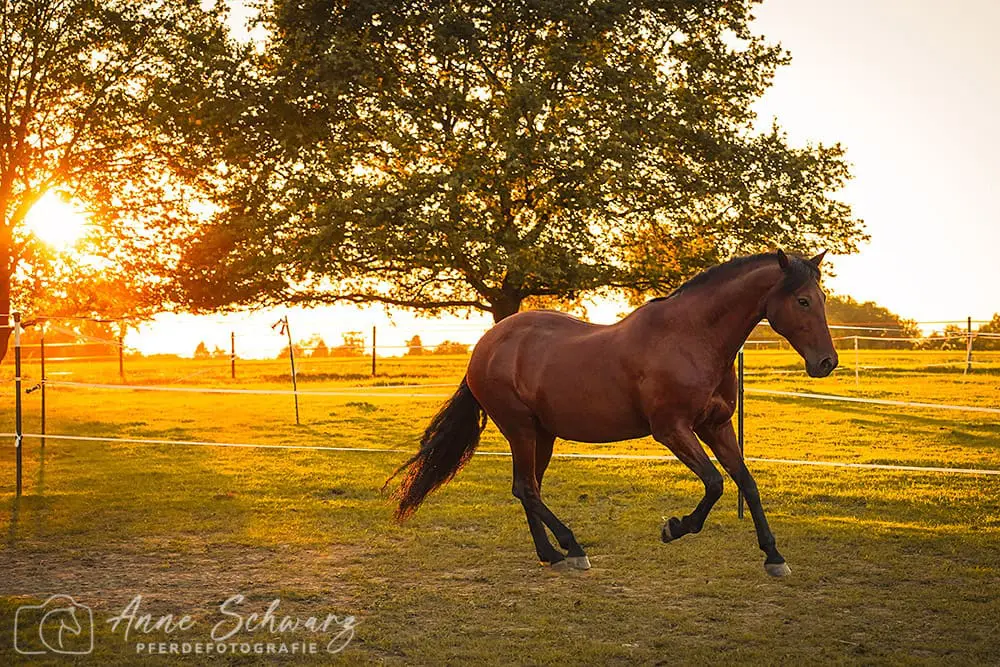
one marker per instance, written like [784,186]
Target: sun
[56,222]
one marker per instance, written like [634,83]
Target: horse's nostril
[826,365]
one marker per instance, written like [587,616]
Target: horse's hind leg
[683,443]
[516,423]
[543,454]
[525,438]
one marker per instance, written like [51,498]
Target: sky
[909,87]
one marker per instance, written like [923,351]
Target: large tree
[474,154]
[96,98]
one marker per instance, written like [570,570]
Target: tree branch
[377,298]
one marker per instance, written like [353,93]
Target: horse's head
[796,310]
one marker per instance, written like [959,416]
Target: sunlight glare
[56,222]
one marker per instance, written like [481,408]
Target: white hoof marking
[777,569]
[578,562]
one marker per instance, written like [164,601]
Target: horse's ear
[782,260]
[818,259]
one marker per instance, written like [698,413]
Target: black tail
[447,444]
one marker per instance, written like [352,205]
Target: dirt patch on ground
[186,577]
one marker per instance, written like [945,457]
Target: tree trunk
[5,330]
[505,306]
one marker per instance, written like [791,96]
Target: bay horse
[665,370]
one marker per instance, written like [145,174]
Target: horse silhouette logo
[59,625]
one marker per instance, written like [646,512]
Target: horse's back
[567,373]
[532,333]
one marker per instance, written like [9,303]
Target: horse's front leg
[680,439]
[721,439]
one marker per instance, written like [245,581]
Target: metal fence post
[295,380]
[373,350]
[287,330]
[857,379]
[232,353]
[41,356]
[18,431]
[968,347]
[739,425]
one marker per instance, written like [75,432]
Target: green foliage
[298,348]
[846,310]
[415,347]
[99,101]
[353,345]
[443,155]
[320,349]
[991,327]
[451,347]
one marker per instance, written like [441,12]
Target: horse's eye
[804,302]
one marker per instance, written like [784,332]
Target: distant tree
[443,155]
[201,352]
[353,345]
[987,343]
[314,346]
[844,310]
[219,353]
[451,347]
[96,103]
[320,349]
[955,338]
[415,347]
[298,348]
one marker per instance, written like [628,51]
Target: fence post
[291,358]
[373,350]
[121,350]
[232,353]
[857,379]
[18,432]
[41,356]
[739,425]
[968,347]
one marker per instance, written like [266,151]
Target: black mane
[798,273]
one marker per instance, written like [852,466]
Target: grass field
[887,566]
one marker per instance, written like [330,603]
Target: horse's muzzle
[823,367]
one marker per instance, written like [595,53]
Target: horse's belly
[590,418]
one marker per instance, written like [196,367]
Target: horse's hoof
[667,532]
[560,565]
[578,562]
[777,569]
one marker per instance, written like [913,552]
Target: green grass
[887,567]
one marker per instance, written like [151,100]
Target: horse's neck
[727,312]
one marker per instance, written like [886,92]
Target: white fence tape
[619,457]
[872,401]
[263,392]
[366,392]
